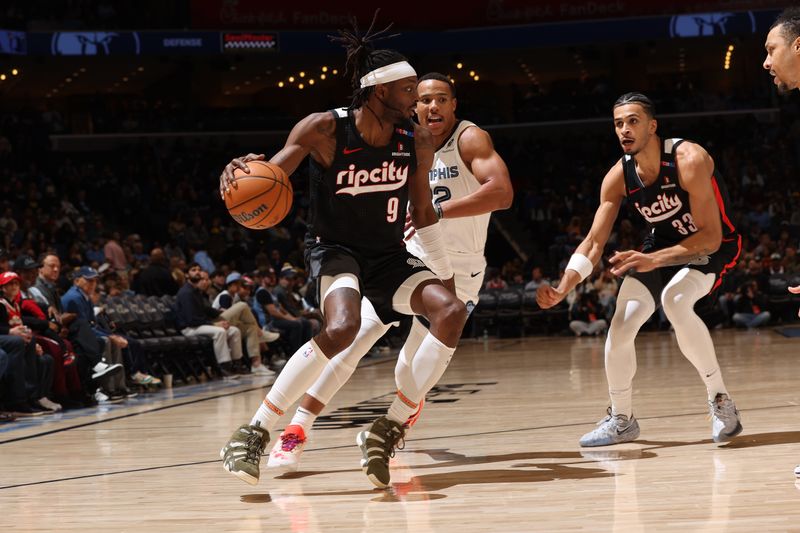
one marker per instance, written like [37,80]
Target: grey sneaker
[725,421]
[378,444]
[243,452]
[613,429]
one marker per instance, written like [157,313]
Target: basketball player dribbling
[367,163]
[675,187]
[469,180]
[783,63]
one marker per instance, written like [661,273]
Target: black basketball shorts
[381,275]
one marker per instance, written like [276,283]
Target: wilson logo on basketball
[250,215]
[386,178]
[663,208]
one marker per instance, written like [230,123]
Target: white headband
[388,73]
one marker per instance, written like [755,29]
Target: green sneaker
[378,444]
[243,452]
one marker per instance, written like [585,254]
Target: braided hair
[637,98]
[363,58]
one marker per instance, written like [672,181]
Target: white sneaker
[288,448]
[262,371]
[49,404]
[613,429]
[797,471]
[104,369]
[269,335]
[725,420]
[103,399]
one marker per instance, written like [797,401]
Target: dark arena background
[116,121]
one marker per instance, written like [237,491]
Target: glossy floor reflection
[496,449]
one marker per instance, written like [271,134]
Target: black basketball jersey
[665,205]
[361,200]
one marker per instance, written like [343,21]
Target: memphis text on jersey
[663,208]
[443,173]
[386,178]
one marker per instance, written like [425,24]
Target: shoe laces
[611,416]
[253,447]
[289,441]
[721,406]
[395,441]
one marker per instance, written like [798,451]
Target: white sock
[303,418]
[622,402]
[427,367]
[300,372]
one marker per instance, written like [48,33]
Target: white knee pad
[340,368]
[635,304]
[683,291]
[328,284]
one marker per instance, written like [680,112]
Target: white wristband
[435,255]
[580,264]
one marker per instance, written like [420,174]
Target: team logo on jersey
[400,151]
[443,173]
[386,178]
[415,263]
[663,208]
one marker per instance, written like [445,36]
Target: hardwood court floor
[496,450]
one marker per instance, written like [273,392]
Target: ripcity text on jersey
[361,200]
[665,205]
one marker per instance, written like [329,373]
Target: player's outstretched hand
[227,180]
[547,296]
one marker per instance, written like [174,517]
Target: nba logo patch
[399,147]
[666,179]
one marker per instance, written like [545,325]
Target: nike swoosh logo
[348,151]
[631,191]
[475,274]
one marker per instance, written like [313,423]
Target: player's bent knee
[453,314]
[340,333]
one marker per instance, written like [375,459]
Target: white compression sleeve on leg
[694,339]
[635,304]
[402,370]
[300,372]
[340,368]
[435,254]
[427,367]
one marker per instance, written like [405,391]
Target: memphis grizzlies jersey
[361,200]
[450,178]
[665,205]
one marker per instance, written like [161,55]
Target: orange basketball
[263,197]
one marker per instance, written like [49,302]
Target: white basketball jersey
[451,178]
